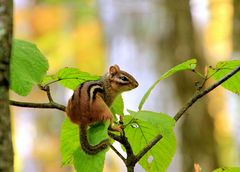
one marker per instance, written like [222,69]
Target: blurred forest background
[146,38]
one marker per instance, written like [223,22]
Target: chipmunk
[91,100]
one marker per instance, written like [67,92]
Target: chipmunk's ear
[114,69]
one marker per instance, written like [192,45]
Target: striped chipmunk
[90,104]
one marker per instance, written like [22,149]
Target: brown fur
[84,112]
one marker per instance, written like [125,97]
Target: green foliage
[71,151]
[187,65]
[69,77]
[28,67]
[69,141]
[222,69]
[117,106]
[141,128]
[83,162]
[227,169]
[72,77]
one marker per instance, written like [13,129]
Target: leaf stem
[51,82]
[198,73]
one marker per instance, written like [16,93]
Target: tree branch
[50,105]
[123,140]
[197,95]
[200,94]
[47,90]
[130,161]
[118,153]
[148,147]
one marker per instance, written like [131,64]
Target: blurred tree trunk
[197,127]
[236,26]
[6,150]
[236,55]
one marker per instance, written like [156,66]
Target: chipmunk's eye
[124,78]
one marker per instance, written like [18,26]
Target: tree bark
[236,26]
[6,149]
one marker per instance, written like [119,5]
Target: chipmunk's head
[121,81]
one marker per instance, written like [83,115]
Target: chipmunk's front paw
[117,128]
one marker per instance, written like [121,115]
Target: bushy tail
[86,146]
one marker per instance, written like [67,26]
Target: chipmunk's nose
[135,84]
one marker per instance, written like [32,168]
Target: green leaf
[98,132]
[143,126]
[91,163]
[71,151]
[222,69]
[69,141]
[167,122]
[72,77]
[28,67]
[227,169]
[188,65]
[117,106]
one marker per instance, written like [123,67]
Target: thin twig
[51,105]
[46,88]
[148,147]
[118,153]
[49,94]
[200,94]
